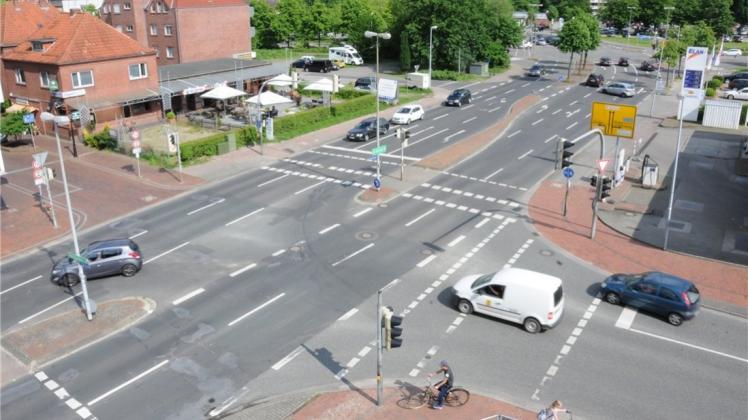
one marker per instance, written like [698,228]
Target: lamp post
[431,46]
[382,35]
[280,80]
[58,120]
[659,64]
[628,28]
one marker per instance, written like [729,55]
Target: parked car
[307,57]
[595,80]
[537,70]
[733,52]
[739,75]
[620,89]
[534,300]
[623,61]
[322,66]
[367,129]
[408,114]
[105,258]
[604,61]
[339,63]
[540,41]
[663,294]
[365,83]
[647,66]
[741,94]
[459,97]
[301,63]
[553,39]
[738,83]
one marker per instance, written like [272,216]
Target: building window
[126,6]
[129,28]
[169,52]
[153,8]
[158,52]
[154,29]
[160,8]
[119,28]
[138,71]
[20,77]
[45,78]
[105,9]
[115,8]
[167,30]
[83,79]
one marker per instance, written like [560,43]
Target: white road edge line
[241,270]
[20,284]
[354,254]
[53,306]
[282,362]
[348,314]
[420,217]
[165,252]
[138,234]
[245,216]
[693,346]
[113,390]
[206,206]
[188,296]
[256,309]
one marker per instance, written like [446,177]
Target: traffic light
[392,328]
[607,185]
[566,154]
[593,181]
[173,139]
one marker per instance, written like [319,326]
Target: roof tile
[20,18]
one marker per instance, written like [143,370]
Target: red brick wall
[135,16]
[199,38]
[161,41]
[32,91]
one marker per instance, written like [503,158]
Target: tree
[574,38]
[264,38]
[687,11]
[568,9]
[12,124]
[652,12]
[717,14]
[318,21]
[618,13]
[90,9]
[699,35]
[594,34]
[504,29]
[552,12]
[404,52]
[289,19]
[740,11]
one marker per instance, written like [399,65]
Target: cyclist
[443,386]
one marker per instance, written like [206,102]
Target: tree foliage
[699,35]
[404,52]
[618,13]
[90,9]
[574,38]
[740,11]
[718,15]
[12,124]
[653,13]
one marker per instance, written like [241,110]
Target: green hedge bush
[711,92]
[101,140]
[208,146]
[719,77]
[450,75]
[714,84]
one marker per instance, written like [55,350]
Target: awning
[201,83]
[130,98]
[21,108]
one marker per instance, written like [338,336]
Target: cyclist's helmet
[443,363]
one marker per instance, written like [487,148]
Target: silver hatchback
[619,89]
[105,258]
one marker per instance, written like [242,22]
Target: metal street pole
[431,46]
[49,195]
[628,28]
[86,304]
[566,194]
[380,341]
[383,35]
[659,64]
[179,157]
[259,114]
[675,176]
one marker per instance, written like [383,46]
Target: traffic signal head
[566,154]
[392,329]
[172,139]
[407,134]
[607,185]
[593,181]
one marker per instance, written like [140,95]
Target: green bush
[744,114]
[450,75]
[711,92]
[349,93]
[207,146]
[714,84]
[170,115]
[719,77]
[101,140]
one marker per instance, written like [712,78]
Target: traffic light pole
[380,341]
[566,195]
[598,189]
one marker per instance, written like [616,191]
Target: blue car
[663,294]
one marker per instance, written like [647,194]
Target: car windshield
[363,124]
[630,279]
[480,281]
[355,55]
[536,67]
[404,111]
[693,294]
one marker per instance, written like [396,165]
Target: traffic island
[38,344]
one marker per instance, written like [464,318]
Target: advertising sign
[387,89]
[693,71]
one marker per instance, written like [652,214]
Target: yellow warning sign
[614,119]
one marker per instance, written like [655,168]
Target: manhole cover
[546,252]
[366,236]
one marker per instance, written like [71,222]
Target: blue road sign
[568,172]
[377,183]
[373,157]
[28,118]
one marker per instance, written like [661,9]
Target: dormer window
[37,46]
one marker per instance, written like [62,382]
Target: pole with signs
[135,137]
[380,341]
[601,164]
[29,119]
[47,179]
[568,174]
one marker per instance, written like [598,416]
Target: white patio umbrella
[223,92]
[322,85]
[269,98]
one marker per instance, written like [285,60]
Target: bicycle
[455,397]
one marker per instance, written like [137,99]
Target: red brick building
[75,61]
[183,31]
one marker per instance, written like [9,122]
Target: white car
[408,114]
[737,94]
[526,44]
[307,58]
[734,52]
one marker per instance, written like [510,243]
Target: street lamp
[628,28]
[431,46]
[382,35]
[659,64]
[280,80]
[59,120]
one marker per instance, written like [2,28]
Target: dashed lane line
[49,308]
[362,212]
[348,314]
[242,270]
[272,180]
[524,155]
[143,232]
[282,362]
[572,125]
[329,228]
[456,241]
[126,383]
[165,253]
[20,284]
[61,393]
[410,223]
[232,323]
[206,206]
[449,137]
[514,134]
[309,187]
[188,296]
[245,216]
[551,138]
[352,255]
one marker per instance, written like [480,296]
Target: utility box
[650,173]
[418,80]
[480,68]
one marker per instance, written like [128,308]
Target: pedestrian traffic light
[593,181]
[607,185]
[392,328]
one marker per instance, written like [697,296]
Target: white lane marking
[420,140]
[420,217]
[482,222]
[329,228]
[537,122]
[113,390]
[278,252]
[570,114]
[362,212]
[364,152]
[138,234]
[526,84]
[572,125]
[245,216]
[440,117]
[309,187]
[272,180]
[425,261]
[495,109]
[587,95]
[588,115]
[47,309]
[693,346]
[513,134]
[468,106]
[62,393]
[446,139]
[165,253]
[556,111]
[364,351]
[256,309]
[493,173]
[206,206]
[348,314]
[551,138]
[241,270]
[469,119]
[282,362]
[573,103]
[188,296]
[525,154]
[510,91]
[41,376]
[456,241]
[353,255]
[20,284]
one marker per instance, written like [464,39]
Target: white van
[347,55]
[533,299]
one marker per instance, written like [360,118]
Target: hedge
[322,113]
[711,92]
[208,146]
[714,83]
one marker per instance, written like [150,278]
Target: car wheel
[129,270]
[730,97]
[531,325]
[465,306]
[604,91]
[613,298]
[69,280]
[623,95]
[469,100]
[675,319]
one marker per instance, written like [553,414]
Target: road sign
[379,150]
[568,172]
[36,165]
[134,135]
[660,85]
[40,158]
[75,115]
[377,183]
[28,118]
[614,119]
[601,164]
[373,157]
[78,258]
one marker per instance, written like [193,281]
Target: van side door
[490,300]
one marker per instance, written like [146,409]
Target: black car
[367,129]
[647,66]
[321,66]
[605,61]
[537,70]
[104,258]
[595,80]
[623,61]
[365,83]
[458,97]
[553,39]
[741,75]
[738,84]
[301,63]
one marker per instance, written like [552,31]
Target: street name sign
[379,150]
[78,258]
[614,119]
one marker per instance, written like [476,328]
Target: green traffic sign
[78,258]
[379,150]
